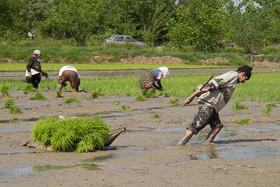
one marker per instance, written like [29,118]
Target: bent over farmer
[33,69]
[68,73]
[211,99]
[151,79]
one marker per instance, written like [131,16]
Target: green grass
[155,116]
[174,102]
[12,107]
[244,121]
[5,90]
[71,100]
[38,96]
[125,107]
[261,86]
[140,98]
[236,106]
[267,109]
[81,135]
[55,52]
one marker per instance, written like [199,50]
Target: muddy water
[147,150]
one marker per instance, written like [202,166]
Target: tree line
[206,25]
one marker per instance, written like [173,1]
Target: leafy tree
[74,19]
[200,24]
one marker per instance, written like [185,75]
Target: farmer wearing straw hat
[68,73]
[151,79]
[33,69]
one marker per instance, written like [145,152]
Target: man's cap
[37,52]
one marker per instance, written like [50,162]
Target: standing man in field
[212,98]
[68,73]
[151,79]
[34,70]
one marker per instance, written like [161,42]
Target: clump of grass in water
[174,102]
[28,88]
[5,90]
[97,93]
[116,102]
[71,100]
[140,98]
[236,106]
[268,108]
[155,115]
[9,103]
[149,93]
[81,135]
[244,121]
[125,107]
[13,109]
[38,96]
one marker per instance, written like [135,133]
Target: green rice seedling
[81,135]
[9,103]
[149,93]
[116,102]
[28,88]
[268,108]
[244,121]
[125,107]
[155,115]
[97,93]
[5,90]
[71,100]
[44,129]
[174,102]
[63,140]
[38,96]
[59,93]
[236,106]
[140,98]
[15,110]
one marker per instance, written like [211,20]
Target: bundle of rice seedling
[81,135]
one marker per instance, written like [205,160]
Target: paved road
[17,75]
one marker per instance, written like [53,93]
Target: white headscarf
[164,70]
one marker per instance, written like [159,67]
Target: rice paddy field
[245,152]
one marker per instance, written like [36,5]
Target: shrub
[81,135]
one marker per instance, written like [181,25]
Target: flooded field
[145,155]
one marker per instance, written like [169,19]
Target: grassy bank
[66,52]
[261,87]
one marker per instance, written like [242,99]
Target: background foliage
[207,25]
